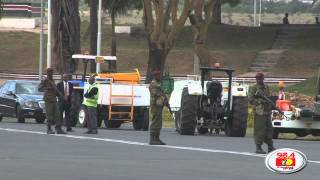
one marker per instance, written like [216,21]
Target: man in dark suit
[66,89]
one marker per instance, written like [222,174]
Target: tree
[160,35]
[200,21]
[66,34]
[116,8]
[1,8]
[216,17]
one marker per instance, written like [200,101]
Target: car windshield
[27,88]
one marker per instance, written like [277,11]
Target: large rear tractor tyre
[137,121]
[75,108]
[141,119]
[237,125]
[177,120]
[145,120]
[83,116]
[188,113]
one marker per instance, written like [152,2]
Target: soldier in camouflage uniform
[50,98]
[263,129]
[157,101]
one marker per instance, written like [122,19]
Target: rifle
[56,89]
[261,95]
[168,105]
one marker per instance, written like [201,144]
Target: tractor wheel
[75,108]
[82,116]
[202,130]
[188,113]
[141,119]
[145,120]
[237,125]
[137,119]
[112,123]
[177,120]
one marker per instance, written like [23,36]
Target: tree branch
[147,16]
[179,24]
[208,8]
[167,15]
[159,8]
[174,12]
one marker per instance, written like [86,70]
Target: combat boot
[259,150]
[159,140]
[153,140]
[49,130]
[60,131]
[271,148]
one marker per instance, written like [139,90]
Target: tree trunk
[66,34]
[156,62]
[93,32]
[216,13]
[113,64]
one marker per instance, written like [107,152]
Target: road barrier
[176,77]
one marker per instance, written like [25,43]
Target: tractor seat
[283,105]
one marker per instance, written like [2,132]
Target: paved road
[27,153]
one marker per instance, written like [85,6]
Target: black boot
[49,130]
[59,130]
[153,140]
[259,150]
[271,148]
[159,140]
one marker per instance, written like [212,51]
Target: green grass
[307,87]
[233,46]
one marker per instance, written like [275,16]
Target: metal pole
[254,12]
[98,68]
[49,35]
[41,43]
[260,13]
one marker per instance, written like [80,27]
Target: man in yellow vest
[91,102]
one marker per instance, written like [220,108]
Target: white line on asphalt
[143,144]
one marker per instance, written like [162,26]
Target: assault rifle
[268,100]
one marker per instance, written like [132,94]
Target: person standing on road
[263,130]
[66,89]
[157,101]
[50,98]
[91,102]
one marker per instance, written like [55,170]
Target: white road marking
[143,144]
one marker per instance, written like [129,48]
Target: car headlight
[35,104]
[29,104]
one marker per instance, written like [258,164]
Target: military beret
[155,72]
[259,75]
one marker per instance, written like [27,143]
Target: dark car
[21,99]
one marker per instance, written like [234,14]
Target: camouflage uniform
[263,129]
[157,101]
[52,110]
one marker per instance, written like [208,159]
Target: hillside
[233,46]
